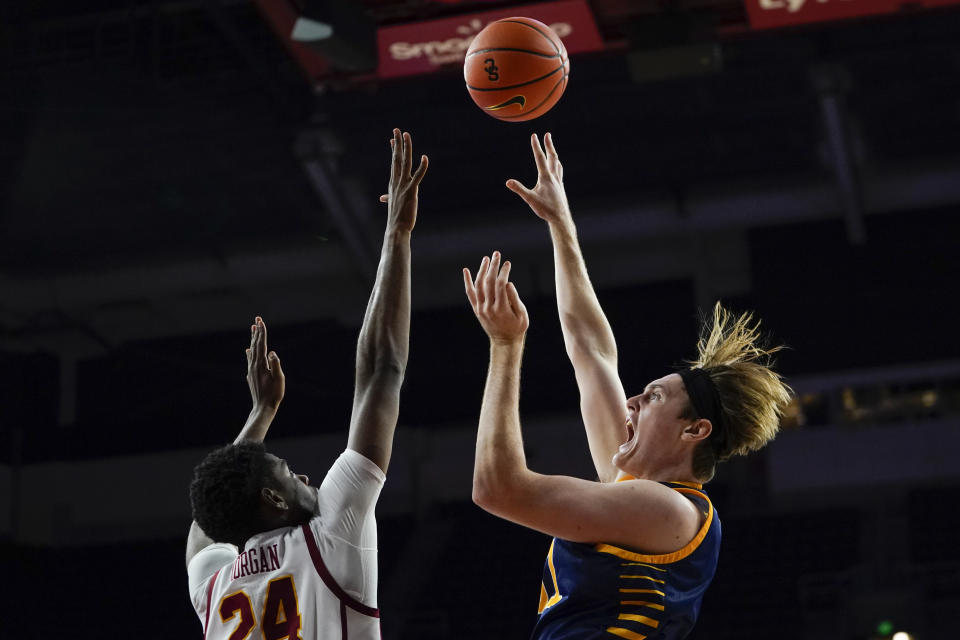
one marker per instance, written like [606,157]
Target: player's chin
[618,460]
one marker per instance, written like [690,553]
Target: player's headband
[706,401]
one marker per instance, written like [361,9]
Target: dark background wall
[160,189]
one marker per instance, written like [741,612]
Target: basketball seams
[534,53]
[542,102]
[530,26]
[513,65]
[522,84]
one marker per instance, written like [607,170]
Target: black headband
[706,401]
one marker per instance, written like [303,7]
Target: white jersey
[317,581]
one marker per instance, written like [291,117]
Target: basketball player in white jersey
[269,555]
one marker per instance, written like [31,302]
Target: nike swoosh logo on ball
[520,100]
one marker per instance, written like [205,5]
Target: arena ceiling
[169,166]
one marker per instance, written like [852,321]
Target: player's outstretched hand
[404,186]
[548,199]
[264,375]
[495,301]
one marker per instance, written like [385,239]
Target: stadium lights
[307,30]
[340,31]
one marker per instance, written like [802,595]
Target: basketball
[516,69]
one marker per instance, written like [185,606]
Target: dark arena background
[171,169]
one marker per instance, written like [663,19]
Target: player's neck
[663,472]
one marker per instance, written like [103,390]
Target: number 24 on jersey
[281,613]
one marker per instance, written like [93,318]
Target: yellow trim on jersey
[659,593]
[666,558]
[643,603]
[650,622]
[556,597]
[640,564]
[643,578]
[626,633]
[691,485]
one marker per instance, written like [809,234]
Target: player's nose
[305,479]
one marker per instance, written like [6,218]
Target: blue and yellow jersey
[598,591]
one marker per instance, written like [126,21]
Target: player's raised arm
[641,514]
[500,464]
[586,332]
[267,385]
[385,335]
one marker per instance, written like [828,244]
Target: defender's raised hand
[495,301]
[548,199]
[264,375]
[404,186]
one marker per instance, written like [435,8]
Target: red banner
[424,47]
[765,14]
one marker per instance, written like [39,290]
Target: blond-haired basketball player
[633,553]
[269,555]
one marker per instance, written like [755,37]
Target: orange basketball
[516,69]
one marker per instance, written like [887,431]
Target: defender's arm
[267,386]
[385,335]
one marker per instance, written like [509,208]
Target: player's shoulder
[208,560]
[696,495]
[658,514]
[360,463]
[203,570]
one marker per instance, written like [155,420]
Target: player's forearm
[586,330]
[257,425]
[500,460]
[385,335]
[382,353]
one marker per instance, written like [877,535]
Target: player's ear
[698,430]
[273,499]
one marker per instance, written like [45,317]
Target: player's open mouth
[630,433]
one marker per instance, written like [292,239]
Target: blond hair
[732,352]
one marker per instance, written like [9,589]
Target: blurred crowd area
[926,397]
